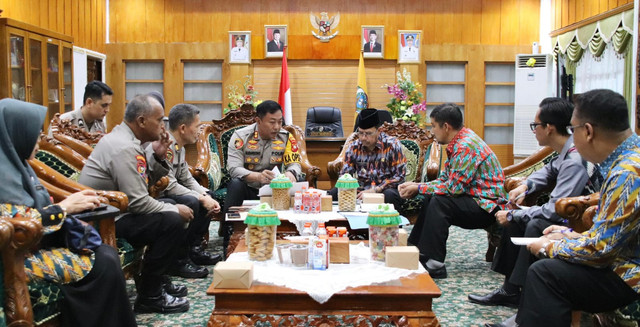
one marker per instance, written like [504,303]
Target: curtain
[604,69]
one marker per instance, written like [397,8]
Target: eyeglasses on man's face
[367,134]
[571,129]
[534,125]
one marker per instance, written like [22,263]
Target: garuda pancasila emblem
[324,25]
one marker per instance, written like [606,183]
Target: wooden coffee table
[403,302]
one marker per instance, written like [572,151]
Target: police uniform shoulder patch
[141,167]
[170,155]
[238,143]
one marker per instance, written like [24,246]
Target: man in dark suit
[372,45]
[275,45]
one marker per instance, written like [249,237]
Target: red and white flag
[284,97]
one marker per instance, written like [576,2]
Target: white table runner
[322,284]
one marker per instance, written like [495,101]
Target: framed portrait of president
[239,47]
[409,46]
[276,39]
[372,41]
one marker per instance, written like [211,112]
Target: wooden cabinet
[39,66]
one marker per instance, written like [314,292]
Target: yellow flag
[362,99]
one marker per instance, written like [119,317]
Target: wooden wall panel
[567,12]
[442,21]
[84,20]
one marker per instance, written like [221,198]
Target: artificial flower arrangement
[241,94]
[407,103]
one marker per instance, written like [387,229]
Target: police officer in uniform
[253,152]
[184,121]
[118,163]
[97,102]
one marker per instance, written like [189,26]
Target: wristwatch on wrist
[509,215]
[542,253]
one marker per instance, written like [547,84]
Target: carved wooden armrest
[108,226]
[62,151]
[78,146]
[26,234]
[512,182]
[159,186]
[433,159]
[64,126]
[579,210]
[312,171]
[199,171]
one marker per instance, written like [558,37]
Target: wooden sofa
[38,302]
[210,152]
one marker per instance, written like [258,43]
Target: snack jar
[347,192]
[383,230]
[280,188]
[262,222]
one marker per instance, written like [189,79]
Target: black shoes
[200,256]
[175,290]
[439,273]
[187,269]
[497,297]
[163,303]
[494,325]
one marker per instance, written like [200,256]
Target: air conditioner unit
[532,85]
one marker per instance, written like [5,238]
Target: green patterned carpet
[468,272]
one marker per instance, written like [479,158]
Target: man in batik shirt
[597,270]
[468,192]
[376,160]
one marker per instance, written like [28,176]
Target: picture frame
[409,46]
[239,53]
[372,41]
[272,47]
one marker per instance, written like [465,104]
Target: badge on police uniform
[170,155]
[141,167]
[238,143]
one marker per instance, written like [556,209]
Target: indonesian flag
[362,99]
[284,97]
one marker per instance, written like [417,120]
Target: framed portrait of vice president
[276,39]
[239,47]
[409,46]
[372,41]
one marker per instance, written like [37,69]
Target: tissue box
[406,257]
[267,199]
[233,275]
[372,198]
[403,236]
[339,250]
[326,203]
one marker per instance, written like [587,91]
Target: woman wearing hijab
[93,284]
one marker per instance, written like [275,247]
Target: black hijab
[20,126]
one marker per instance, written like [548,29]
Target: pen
[520,196]
[561,231]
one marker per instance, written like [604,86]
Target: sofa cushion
[411,151]
[58,165]
[46,300]
[127,253]
[215,171]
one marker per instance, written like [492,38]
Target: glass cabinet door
[16,61]
[35,72]
[53,79]
[67,78]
